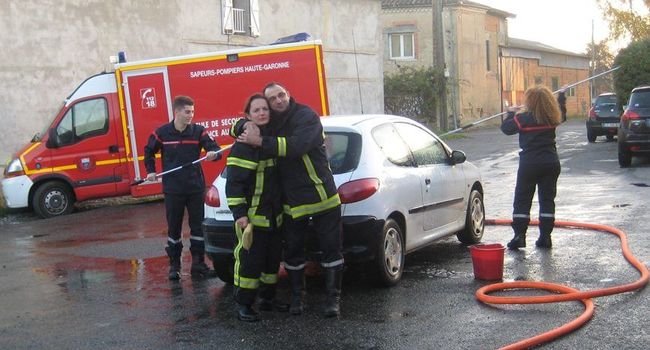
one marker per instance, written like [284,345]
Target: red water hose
[560,292]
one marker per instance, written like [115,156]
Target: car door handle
[112,149]
[427,181]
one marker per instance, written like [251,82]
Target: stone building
[49,47]
[485,67]
[472,36]
[528,63]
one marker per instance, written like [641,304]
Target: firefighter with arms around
[308,189]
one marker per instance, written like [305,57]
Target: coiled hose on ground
[559,292]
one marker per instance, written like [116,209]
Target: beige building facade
[472,36]
[49,47]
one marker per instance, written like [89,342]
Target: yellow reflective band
[314,177]
[278,220]
[259,184]
[232,128]
[242,163]
[245,282]
[237,249]
[269,278]
[257,220]
[314,208]
[232,201]
[282,146]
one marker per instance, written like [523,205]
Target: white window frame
[401,44]
[231,19]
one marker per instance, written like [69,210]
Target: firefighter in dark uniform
[254,197]
[308,188]
[539,164]
[180,142]
[561,101]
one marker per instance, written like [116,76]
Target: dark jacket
[253,187]
[297,141]
[537,141]
[561,101]
[178,148]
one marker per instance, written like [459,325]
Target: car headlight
[14,168]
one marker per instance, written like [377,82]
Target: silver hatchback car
[401,186]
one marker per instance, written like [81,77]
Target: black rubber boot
[199,268]
[545,228]
[333,281]
[268,302]
[297,283]
[246,313]
[174,263]
[519,241]
[544,241]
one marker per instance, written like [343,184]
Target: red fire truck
[94,148]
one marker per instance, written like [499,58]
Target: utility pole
[439,61]
[592,65]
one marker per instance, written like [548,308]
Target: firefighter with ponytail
[539,164]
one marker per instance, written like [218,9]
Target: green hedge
[634,62]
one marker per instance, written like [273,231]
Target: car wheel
[591,136]
[390,254]
[624,156]
[224,265]
[610,138]
[53,198]
[474,221]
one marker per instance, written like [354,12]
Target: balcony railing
[239,24]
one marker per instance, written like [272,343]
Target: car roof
[360,120]
[607,94]
[643,87]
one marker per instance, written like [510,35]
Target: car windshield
[640,99]
[606,100]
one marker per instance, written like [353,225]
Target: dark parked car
[634,132]
[604,117]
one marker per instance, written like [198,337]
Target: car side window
[426,149]
[392,145]
[85,119]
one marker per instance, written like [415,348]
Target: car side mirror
[458,157]
[52,139]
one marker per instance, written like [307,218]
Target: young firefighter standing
[254,197]
[539,164]
[180,142]
[308,189]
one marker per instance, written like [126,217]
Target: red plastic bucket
[488,261]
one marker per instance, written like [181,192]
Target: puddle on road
[430,271]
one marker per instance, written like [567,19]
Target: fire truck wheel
[53,198]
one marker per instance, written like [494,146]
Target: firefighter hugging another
[180,142]
[291,149]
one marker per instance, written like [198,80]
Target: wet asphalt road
[97,278]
